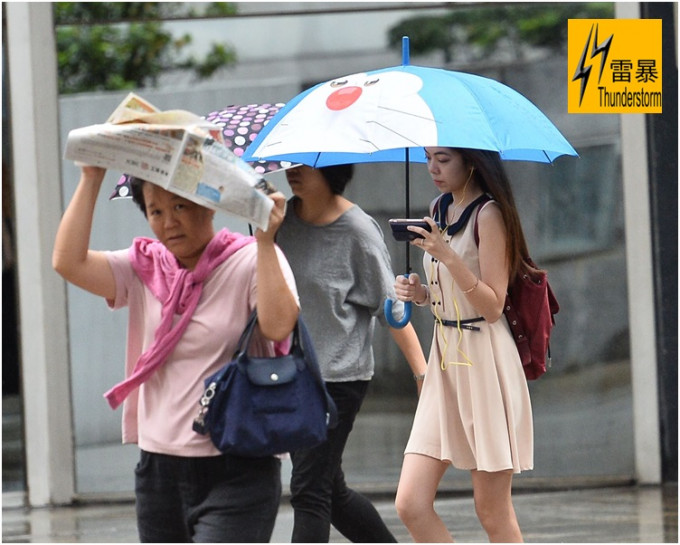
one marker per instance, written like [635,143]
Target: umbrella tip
[405,53]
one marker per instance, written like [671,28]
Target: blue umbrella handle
[397,324]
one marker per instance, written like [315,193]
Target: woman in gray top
[343,273]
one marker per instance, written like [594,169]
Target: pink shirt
[159,415]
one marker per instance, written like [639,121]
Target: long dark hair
[492,179]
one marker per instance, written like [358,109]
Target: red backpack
[530,308]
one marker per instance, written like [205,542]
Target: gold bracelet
[473,288]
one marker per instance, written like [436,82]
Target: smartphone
[400,232]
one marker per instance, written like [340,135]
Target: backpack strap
[441,206]
[483,203]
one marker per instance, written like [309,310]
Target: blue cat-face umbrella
[392,114]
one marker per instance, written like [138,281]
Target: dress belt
[464,324]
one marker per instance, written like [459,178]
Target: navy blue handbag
[260,406]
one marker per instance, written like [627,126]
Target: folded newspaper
[177,150]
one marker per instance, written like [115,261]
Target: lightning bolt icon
[583,69]
[602,49]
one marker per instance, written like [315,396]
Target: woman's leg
[230,499]
[315,469]
[160,513]
[420,477]
[493,503]
[311,488]
[218,499]
[355,517]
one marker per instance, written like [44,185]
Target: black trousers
[216,499]
[319,495]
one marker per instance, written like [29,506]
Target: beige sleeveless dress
[474,410]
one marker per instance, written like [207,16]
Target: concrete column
[639,262]
[42,294]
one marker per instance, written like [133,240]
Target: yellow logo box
[614,66]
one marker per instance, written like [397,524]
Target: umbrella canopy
[240,125]
[374,116]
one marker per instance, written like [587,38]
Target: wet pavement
[617,514]
[603,506]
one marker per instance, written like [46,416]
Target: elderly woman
[189,294]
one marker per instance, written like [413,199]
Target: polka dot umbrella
[240,125]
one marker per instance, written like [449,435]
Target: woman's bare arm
[277,309]
[486,292]
[72,257]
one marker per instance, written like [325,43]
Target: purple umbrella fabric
[241,124]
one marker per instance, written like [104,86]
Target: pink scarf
[179,290]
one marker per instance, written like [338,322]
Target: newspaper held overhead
[177,150]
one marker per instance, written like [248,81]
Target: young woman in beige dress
[474,411]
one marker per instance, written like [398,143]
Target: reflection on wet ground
[601,515]
[580,491]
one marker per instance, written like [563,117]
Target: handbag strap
[301,338]
[244,340]
[313,366]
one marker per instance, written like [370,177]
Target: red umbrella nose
[343,98]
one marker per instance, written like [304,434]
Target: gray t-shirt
[343,276]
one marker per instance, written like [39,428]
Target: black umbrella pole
[408,207]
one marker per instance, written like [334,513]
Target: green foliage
[482,31]
[220,9]
[425,30]
[87,13]
[98,50]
